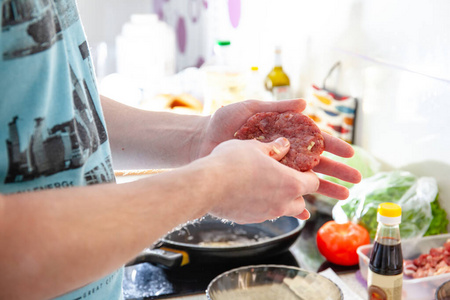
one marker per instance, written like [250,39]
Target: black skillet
[214,241]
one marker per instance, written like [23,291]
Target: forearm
[143,139]
[56,241]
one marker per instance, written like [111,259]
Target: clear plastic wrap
[414,194]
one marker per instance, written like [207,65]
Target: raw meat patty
[305,137]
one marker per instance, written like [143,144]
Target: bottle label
[281,92]
[384,287]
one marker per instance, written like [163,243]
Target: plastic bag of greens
[362,160]
[421,213]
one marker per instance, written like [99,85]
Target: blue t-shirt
[52,131]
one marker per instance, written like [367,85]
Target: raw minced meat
[303,134]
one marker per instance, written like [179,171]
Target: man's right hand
[252,186]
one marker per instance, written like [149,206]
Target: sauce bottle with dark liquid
[385,278]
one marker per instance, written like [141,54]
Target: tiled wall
[395,57]
[397,60]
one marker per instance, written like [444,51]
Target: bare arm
[141,139]
[144,139]
[58,240]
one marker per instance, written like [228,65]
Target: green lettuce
[418,197]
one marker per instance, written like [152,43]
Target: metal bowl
[272,282]
[443,291]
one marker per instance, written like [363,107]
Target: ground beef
[305,137]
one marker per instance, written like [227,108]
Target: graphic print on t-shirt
[45,147]
[63,146]
[52,132]
[32,26]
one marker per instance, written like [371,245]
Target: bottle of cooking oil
[277,81]
[385,278]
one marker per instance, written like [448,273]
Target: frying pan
[212,240]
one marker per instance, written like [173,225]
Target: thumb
[277,149]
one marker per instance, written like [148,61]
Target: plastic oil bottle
[385,277]
[224,81]
[277,81]
[255,86]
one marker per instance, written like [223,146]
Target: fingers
[308,181]
[298,205]
[337,146]
[276,149]
[332,190]
[297,105]
[339,170]
[304,215]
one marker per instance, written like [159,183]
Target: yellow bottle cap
[389,213]
[391,210]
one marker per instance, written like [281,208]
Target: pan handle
[166,257]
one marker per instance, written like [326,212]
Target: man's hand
[227,120]
[255,187]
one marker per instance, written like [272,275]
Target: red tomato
[338,242]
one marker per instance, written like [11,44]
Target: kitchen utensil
[212,240]
[139,172]
[272,282]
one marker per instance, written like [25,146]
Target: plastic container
[224,81]
[421,288]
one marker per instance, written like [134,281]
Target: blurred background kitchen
[391,56]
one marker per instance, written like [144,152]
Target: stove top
[148,281]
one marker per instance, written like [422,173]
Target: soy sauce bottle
[385,278]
